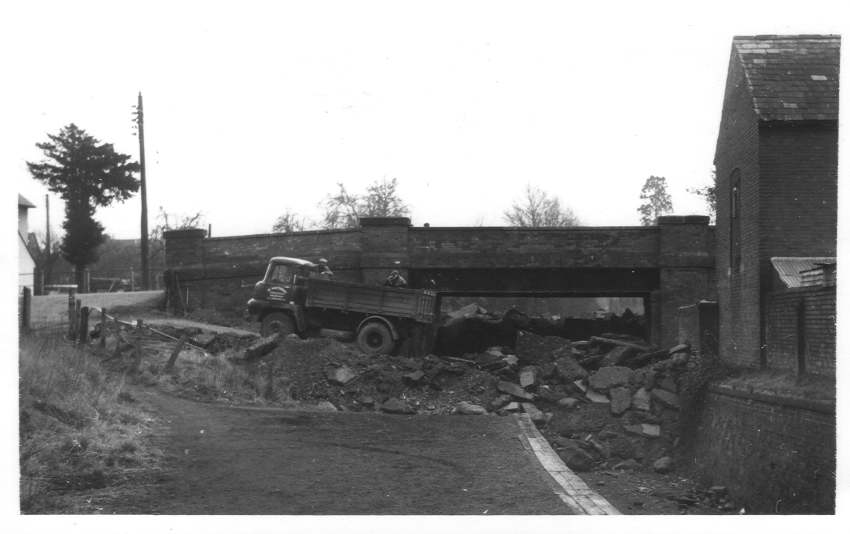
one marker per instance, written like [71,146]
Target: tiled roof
[24,202]
[790,270]
[791,77]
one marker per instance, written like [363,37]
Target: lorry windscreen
[279,273]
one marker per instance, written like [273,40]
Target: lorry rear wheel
[277,323]
[375,338]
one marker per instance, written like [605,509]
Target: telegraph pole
[140,121]
[47,232]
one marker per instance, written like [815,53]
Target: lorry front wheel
[375,338]
[277,323]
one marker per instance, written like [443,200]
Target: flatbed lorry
[293,297]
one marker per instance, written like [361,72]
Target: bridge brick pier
[668,265]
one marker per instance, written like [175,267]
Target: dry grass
[79,429]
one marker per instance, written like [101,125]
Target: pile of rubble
[609,402]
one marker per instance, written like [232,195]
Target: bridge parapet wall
[679,248]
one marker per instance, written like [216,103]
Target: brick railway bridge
[668,265]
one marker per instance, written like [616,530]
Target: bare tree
[656,200]
[344,209]
[539,208]
[382,200]
[341,210]
[170,221]
[709,195]
[289,222]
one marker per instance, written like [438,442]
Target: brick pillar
[184,247]
[383,241]
[686,261]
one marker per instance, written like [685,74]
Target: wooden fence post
[179,347]
[26,309]
[103,328]
[72,330]
[83,336]
[137,348]
[78,304]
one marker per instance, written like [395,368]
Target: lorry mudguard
[383,320]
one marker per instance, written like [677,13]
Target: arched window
[735,221]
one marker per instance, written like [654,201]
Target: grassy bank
[80,430]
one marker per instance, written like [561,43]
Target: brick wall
[220,272]
[799,194]
[782,332]
[738,292]
[773,454]
[697,327]
[634,247]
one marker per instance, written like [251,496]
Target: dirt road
[261,461]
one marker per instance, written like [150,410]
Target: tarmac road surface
[224,460]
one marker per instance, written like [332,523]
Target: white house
[26,263]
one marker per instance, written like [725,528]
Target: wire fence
[95,281]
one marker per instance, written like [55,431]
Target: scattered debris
[467,408]
[514,390]
[397,406]
[663,464]
[340,375]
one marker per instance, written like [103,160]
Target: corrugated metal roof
[24,202]
[790,269]
[791,77]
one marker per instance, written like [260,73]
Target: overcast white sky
[253,108]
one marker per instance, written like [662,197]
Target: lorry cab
[278,288]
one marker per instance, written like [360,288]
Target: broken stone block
[665,398]
[594,396]
[644,429]
[340,375]
[627,465]
[395,405]
[413,377]
[568,402]
[533,412]
[679,348]
[619,355]
[202,340]
[262,346]
[621,400]
[663,465]
[511,407]
[499,401]
[496,351]
[528,376]
[668,383]
[641,400]
[580,385]
[569,370]
[574,455]
[366,400]
[548,394]
[467,408]
[609,377]
[326,406]
[513,389]
[511,360]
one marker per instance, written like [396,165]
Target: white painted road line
[574,492]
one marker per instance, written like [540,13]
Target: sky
[257,108]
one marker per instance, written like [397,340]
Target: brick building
[777,184]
